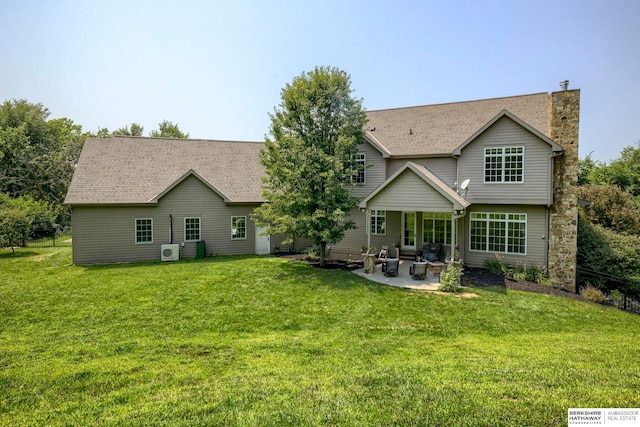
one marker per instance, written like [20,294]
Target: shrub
[533,274]
[538,275]
[606,251]
[450,279]
[495,266]
[617,298]
[593,294]
[311,253]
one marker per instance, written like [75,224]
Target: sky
[216,68]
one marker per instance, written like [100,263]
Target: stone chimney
[564,120]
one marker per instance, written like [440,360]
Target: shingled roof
[439,129]
[135,170]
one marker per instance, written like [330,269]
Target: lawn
[263,341]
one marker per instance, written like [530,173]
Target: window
[498,232]
[144,230]
[238,227]
[436,227]
[504,164]
[191,229]
[361,176]
[379,222]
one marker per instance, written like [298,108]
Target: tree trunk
[323,253]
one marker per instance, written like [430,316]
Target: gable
[414,188]
[437,130]
[131,170]
[507,116]
[537,166]
[408,192]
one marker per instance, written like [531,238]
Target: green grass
[268,341]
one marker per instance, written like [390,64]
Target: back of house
[481,178]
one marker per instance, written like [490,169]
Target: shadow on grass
[19,253]
[182,261]
[286,270]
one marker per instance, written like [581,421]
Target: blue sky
[217,68]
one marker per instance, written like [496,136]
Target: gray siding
[353,240]
[536,237]
[537,167]
[444,168]
[107,234]
[410,193]
[375,175]
[299,244]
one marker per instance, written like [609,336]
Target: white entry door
[263,243]
[408,231]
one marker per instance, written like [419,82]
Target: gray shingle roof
[439,129]
[131,170]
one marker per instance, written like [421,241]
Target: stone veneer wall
[564,119]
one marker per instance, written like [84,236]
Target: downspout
[170,228]
[367,221]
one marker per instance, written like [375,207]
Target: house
[130,195]
[484,177]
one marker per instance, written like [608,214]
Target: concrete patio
[403,279]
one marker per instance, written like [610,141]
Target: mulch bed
[483,278]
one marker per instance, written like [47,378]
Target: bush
[14,227]
[593,294]
[606,251]
[450,279]
[533,274]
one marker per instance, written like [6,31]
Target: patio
[403,279]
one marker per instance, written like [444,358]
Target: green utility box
[200,249]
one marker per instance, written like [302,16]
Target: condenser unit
[170,252]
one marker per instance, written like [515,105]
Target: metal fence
[47,237]
[621,292]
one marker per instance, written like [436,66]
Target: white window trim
[233,237]
[433,216]
[135,231]
[373,231]
[364,169]
[502,167]
[199,229]
[507,221]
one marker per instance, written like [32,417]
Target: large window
[436,227]
[498,232]
[379,222]
[191,229]
[238,227]
[361,176]
[144,230]
[504,164]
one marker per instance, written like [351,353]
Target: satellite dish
[465,184]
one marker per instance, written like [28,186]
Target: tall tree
[135,130]
[611,208]
[168,129]
[623,172]
[309,158]
[37,156]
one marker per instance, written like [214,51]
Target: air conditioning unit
[170,252]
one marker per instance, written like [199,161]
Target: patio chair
[429,252]
[383,254]
[390,268]
[418,270]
